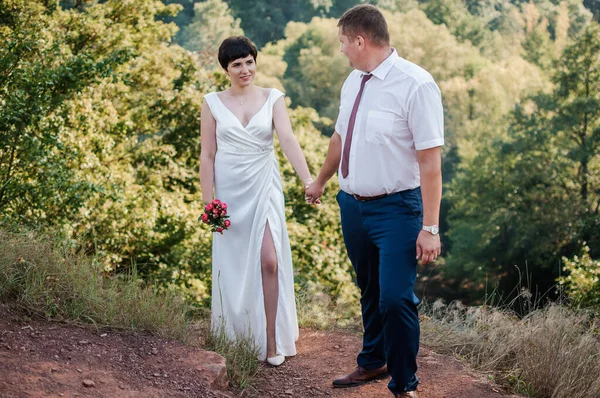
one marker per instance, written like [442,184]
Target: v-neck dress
[247,178]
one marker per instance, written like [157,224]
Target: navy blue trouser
[380,237]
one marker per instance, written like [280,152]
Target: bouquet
[215,215]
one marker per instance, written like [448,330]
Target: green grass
[46,277]
[241,355]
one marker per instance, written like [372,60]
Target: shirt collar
[382,70]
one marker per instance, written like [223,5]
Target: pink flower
[223,212]
[219,229]
[209,207]
[227,223]
[215,211]
[204,218]
[223,205]
[216,202]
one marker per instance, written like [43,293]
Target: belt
[369,198]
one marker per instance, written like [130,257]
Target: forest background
[99,135]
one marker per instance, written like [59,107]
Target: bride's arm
[289,143]
[208,136]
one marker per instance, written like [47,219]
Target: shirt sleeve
[426,117]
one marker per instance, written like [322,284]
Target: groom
[388,137]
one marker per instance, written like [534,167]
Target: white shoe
[276,360]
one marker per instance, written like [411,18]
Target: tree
[461,23]
[183,17]
[538,47]
[212,23]
[577,120]
[46,58]
[315,68]
[121,142]
[265,20]
[594,7]
[99,135]
[534,195]
[582,282]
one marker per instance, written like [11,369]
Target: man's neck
[377,56]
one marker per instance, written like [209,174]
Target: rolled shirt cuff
[419,146]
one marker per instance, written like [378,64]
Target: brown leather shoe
[360,376]
[407,394]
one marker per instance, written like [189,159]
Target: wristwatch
[432,229]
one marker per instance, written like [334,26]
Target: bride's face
[242,71]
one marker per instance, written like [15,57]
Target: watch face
[435,229]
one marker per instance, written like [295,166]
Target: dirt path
[324,356]
[45,359]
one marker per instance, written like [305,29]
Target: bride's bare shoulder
[263,91]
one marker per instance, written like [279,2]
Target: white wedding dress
[247,179]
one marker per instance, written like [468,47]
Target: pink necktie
[348,142]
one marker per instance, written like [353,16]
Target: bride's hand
[307,183]
[313,192]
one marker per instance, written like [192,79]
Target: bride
[253,281]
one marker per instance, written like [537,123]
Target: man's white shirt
[400,112]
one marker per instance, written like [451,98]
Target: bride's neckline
[253,116]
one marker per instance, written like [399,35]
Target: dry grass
[316,310]
[551,352]
[46,277]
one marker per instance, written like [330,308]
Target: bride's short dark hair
[236,47]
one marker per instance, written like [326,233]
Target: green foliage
[212,23]
[265,20]
[594,7]
[99,128]
[46,58]
[460,21]
[315,67]
[533,196]
[582,284]
[538,48]
[535,24]
[395,5]
[131,136]
[184,16]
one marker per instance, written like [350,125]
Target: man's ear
[361,41]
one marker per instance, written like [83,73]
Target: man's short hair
[236,47]
[365,20]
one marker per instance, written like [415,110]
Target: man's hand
[313,192]
[428,247]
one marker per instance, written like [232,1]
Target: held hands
[429,247]
[313,191]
